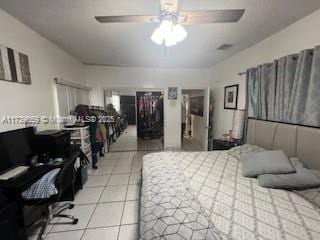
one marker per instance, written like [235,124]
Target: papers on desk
[14,172]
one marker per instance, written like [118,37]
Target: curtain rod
[71,84]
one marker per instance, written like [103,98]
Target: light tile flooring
[190,144]
[128,141]
[108,205]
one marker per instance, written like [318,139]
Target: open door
[196,126]
[206,118]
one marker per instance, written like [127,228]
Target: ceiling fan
[171,31]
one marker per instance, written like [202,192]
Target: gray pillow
[303,178]
[266,162]
[315,172]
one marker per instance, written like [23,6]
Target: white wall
[100,77]
[46,62]
[298,36]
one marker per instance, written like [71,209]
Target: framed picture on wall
[231,97]
[172,93]
[14,66]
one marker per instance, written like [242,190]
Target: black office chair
[64,182]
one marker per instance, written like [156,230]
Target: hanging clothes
[150,114]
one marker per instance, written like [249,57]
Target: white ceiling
[71,25]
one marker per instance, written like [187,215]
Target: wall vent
[225,47]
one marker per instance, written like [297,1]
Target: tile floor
[190,144]
[128,141]
[108,206]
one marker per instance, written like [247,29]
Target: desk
[13,188]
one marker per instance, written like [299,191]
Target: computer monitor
[15,148]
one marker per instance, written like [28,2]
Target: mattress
[222,203]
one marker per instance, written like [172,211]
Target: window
[69,97]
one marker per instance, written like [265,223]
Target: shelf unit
[81,136]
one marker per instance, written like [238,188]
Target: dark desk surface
[25,180]
[13,188]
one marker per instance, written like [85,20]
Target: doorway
[150,120]
[194,119]
[124,104]
[142,112]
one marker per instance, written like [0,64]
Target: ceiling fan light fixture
[157,36]
[169,33]
[180,32]
[170,40]
[167,27]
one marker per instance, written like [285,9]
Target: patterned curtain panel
[253,93]
[312,110]
[287,90]
[267,90]
[285,74]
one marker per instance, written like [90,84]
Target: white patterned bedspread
[237,206]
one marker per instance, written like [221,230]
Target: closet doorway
[150,120]
[142,112]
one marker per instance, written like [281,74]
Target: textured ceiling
[71,25]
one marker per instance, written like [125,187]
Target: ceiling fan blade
[169,5]
[211,16]
[127,18]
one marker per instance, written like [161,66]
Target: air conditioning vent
[225,47]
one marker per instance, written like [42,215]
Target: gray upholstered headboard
[296,141]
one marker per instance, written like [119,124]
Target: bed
[202,195]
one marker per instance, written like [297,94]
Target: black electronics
[15,147]
[55,142]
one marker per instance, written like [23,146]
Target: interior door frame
[206,110]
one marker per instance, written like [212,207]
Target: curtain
[267,90]
[312,111]
[299,92]
[285,74]
[286,90]
[253,93]
[63,106]
[82,96]
[69,97]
